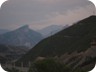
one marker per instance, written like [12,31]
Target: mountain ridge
[74,38]
[21,36]
[51,30]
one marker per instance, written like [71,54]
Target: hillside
[74,38]
[22,36]
[10,53]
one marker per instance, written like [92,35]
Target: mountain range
[51,30]
[23,36]
[71,45]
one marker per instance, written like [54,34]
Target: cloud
[48,1]
[72,16]
[41,13]
[68,17]
[60,1]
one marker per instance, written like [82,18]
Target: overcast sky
[41,13]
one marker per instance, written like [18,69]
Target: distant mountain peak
[51,30]
[23,36]
[24,28]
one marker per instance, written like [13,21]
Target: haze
[39,14]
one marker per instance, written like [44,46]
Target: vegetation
[50,65]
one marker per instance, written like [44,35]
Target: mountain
[75,38]
[50,30]
[2,31]
[22,36]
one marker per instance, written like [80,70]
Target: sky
[39,14]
